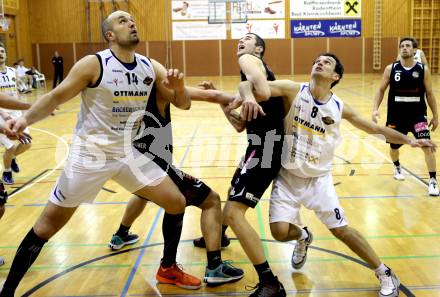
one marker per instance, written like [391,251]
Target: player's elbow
[185,106]
[262,94]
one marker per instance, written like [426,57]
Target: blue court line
[141,254]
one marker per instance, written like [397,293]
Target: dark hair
[339,68]
[259,42]
[106,26]
[413,41]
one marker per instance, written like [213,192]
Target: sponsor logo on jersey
[328,120]
[148,80]
[116,81]
[126,109]
[309,125]
[416,74]
[7,87]
[129,93]
[117,70]
[313,159]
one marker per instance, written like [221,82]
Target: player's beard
[406,55]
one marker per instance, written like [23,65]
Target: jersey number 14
[131,78]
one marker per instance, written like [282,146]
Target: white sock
[381,269]
[304,235]
[7,170]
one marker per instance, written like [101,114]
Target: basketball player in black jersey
[156,142]
[261,162]
[409,81]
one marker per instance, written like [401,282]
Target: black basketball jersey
[155,137]
[406,96]
[274,110]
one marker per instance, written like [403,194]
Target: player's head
[407,47]
[20,62]
[3,55]
[56,54]
[328,66]
[251,44]
[185,5]
[120,28]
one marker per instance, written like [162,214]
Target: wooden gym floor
[398,218]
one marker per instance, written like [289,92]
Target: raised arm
[431,98]
[286,89]
[84,73]
[170,84]
[390,135]
[213,96]
[380,93]
[10,102]
[253,69]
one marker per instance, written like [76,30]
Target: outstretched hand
[25,138]
[250,110]
[14,128]
[174,80]
[236,103]
[423,143]
[207,85]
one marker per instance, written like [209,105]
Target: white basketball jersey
[8,82]
[418,56]
[8,85]
[106,120]
[312,134]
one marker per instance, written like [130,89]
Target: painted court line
[404,289]
[60,163]
[150,233]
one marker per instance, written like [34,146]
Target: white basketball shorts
[289,192]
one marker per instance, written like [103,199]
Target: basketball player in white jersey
[311,126]
[8,80]
[7,102]
[115,85]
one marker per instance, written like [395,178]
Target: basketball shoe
[299,255]
[175,275]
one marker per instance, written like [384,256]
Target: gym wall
[63,25]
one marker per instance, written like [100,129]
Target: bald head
[107,24]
